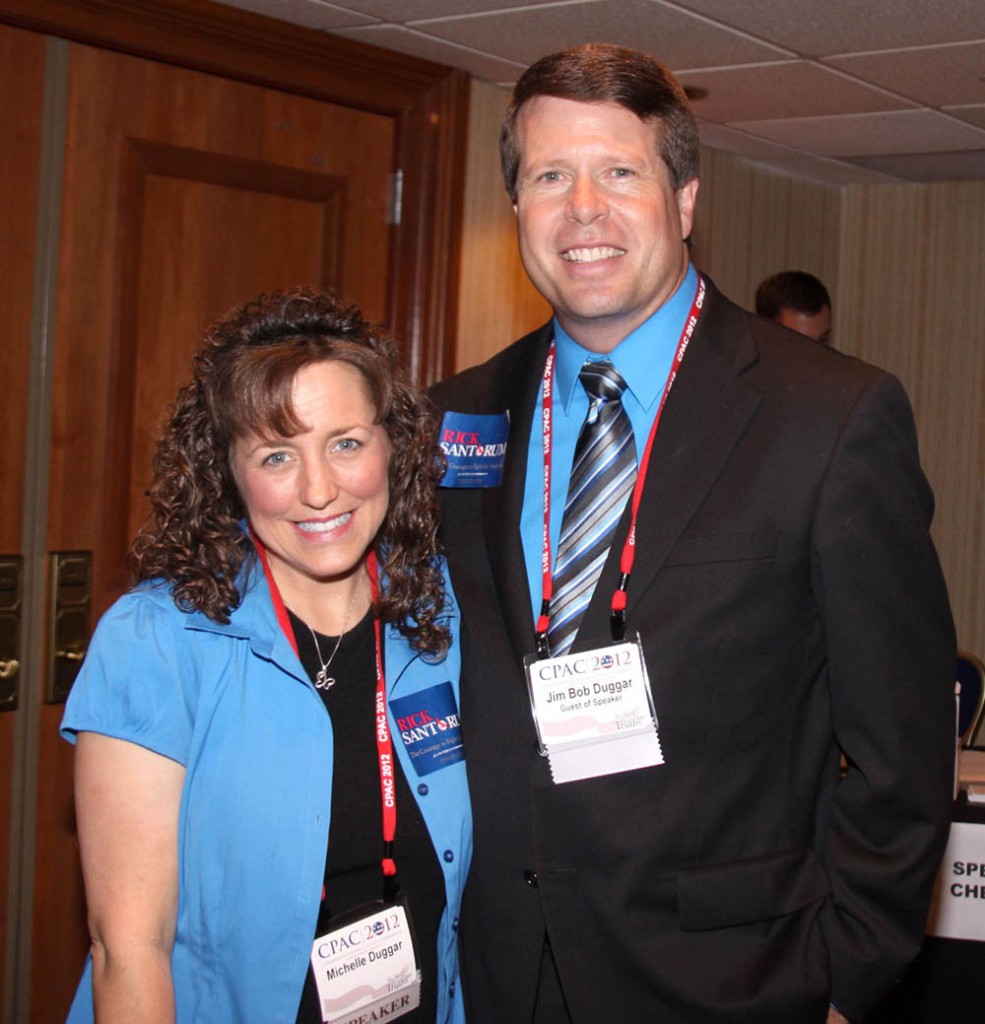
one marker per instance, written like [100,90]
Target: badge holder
[365,966]
[594,711]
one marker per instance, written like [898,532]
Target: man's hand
[834,1017]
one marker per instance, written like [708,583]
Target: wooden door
[184,194]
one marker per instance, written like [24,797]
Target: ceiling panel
[936,76]
[909,131]
[679,37]
[818,27]
[418,44]
[310,13]
[973,115]
[791,89]
[935,167]
[403,11]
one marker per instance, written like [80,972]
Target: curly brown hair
[242,384]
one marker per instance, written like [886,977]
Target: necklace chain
[323,681]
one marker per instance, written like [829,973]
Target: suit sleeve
[891,650]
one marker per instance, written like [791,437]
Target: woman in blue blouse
[272,800]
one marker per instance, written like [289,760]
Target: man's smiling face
[601,229]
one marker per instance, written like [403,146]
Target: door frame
[428,102]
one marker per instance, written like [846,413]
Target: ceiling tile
[828,172]
[936,167]
[972,115]
[784,159]
[908,131]
[819,27]
[790,89]
[405,40]
[404,11]
[523,34]
[721,136]
[935,75]
[310,13]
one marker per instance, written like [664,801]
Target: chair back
[971,701]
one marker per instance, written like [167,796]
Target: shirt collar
[655,339]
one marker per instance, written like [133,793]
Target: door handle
[11,585]
[70,594]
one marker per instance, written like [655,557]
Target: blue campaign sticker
[427,723]
[475,447]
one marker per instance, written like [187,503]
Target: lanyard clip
[617,622]
[540,634]
[617,617]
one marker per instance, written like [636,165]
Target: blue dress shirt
[644,359]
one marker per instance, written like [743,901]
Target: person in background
[272,690]
[691,512]
[798,300]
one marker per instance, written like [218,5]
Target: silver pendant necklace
[323,681]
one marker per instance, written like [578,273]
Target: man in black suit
[706,864]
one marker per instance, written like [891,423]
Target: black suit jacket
[791,605]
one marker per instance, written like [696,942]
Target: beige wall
[905,265]
[750,224]
[497,303]
[912,292]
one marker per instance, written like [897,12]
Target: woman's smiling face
[316,500]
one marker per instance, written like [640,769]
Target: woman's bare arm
[127,799]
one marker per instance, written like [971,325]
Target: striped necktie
[602,478]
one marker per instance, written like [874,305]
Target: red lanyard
[618,614]
[384,744]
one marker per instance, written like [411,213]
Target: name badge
[475,447]
[366,968]
[594,711]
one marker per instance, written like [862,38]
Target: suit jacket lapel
[502,506]
[706,412]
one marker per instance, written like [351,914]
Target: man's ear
[687,194]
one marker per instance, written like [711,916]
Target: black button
[530,877]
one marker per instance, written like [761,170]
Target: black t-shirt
[355,844]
